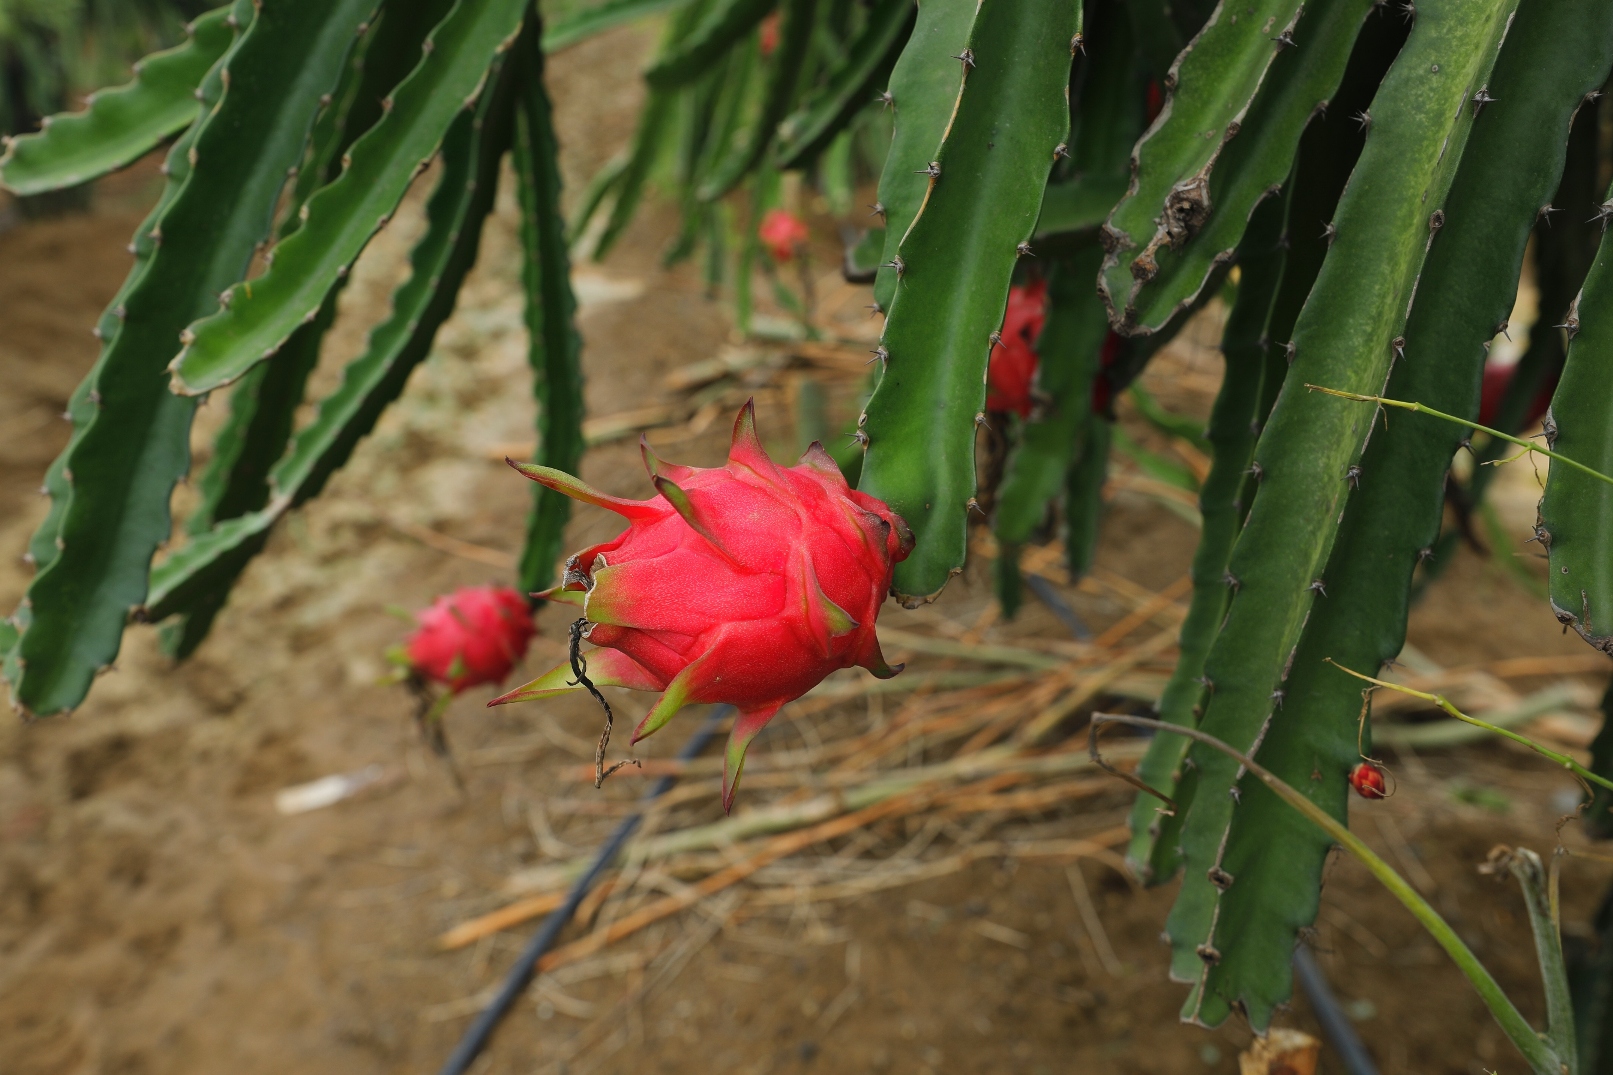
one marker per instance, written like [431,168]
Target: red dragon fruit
[474,635]
[1012,373]
[782,233]
[745,583]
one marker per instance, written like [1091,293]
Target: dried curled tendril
[579,668]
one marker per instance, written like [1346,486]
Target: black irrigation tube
[1049,595]
[521,974]
[1336,1026]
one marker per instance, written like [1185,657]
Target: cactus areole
[746,584]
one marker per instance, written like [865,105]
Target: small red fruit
[1368,781]
[782,233]
[745,583]
[1012,373]
[474,635]
[768,37]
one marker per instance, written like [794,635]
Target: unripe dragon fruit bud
[782,233]
[1368,781]
[1012,374]
[746,583]
[474,635]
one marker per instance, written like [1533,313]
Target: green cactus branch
[121,124]
[122,469]
[924,86]
[474,146]
[719,28]
[554,348]
[578,26]
[1240,411]
[1541,1057]
[1348,331]
[260,315]
[1396,497]
[984,192]
[1576,511]
[850,87]
[1301,81]
[1212,84]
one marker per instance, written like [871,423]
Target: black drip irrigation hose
[1336,1026]
[521,974]
[1049,595]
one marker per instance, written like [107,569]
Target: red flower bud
[768,37]
[474,635]
[1368,781]
[745,583]
[782,233]
[1012,373]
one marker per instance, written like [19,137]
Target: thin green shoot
[1584,774]
[1423,408]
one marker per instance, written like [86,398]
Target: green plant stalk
[717,31]
[1235,421]
[258,316]
[120,125]
[626,182]
[1346,331]
[135,447]
[924,86]
[554,346]
[1083,496]
[1420,408]
[985,189]
[473,148]
[1541,1057]
[1444,703]
[1048,442]
[595,19]
[1300,81]
[1392,515]
[1212,85]
[783,77]
[1576,515]
[849,87]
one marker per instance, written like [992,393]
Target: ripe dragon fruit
[782,233]
[474,635]
[1011,375]
[745,583]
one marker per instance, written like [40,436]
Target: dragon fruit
[474,635]
[745,583]
[1012,374]
[782,233]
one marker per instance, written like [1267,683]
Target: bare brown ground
[157,915]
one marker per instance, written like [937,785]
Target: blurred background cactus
[1362,185]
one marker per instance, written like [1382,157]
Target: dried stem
[579,668]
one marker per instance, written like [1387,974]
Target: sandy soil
[157,915]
